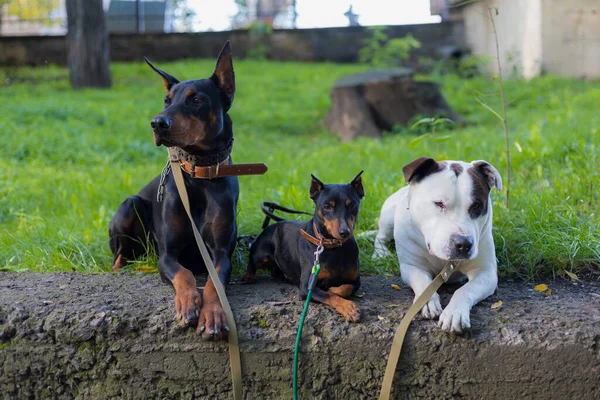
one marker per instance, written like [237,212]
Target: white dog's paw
[432,308]
[455,318]
[381,253]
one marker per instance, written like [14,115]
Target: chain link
[161,185]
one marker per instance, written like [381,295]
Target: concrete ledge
[113,336]
[321,44]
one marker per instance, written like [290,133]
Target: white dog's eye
[440,204]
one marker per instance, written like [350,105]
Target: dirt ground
[72,335]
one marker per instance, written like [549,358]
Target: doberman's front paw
[187,307]
[349,310]
[212,324]
[248,278]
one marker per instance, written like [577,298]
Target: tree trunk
[87,44]
[371,102]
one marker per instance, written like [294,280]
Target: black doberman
[288,247]
[196,123]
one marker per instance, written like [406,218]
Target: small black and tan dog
[287,247]
[196,123]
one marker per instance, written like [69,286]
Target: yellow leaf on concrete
[496,305]
[394,286]
[542,287]
[145,268]
[548,291]
[380,317]
[573,276]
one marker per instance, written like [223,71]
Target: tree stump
[87,44]
[374,101]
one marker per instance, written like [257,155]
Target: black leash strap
[268,208]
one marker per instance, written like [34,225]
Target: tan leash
[234,348]
[390,370]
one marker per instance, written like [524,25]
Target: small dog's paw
[187,307]
[248,278]
[349,311]
[455,318]
[433,308]
[212,324]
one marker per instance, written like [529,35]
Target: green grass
[68,158]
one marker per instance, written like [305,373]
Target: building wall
[556,36]
[519,28]
[571,37]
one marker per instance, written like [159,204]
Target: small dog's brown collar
[320,240]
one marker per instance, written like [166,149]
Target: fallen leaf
[573,276]
[48,302]
[496,305]
[360,295]
[144,268]
[380,318]
[100,315]
[63,286]
[594,294]
[542,287]
[394,286]
[548,291]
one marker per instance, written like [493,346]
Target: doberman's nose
[344,233]
[462,245]
[161,124]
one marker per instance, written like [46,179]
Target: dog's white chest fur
[445,213]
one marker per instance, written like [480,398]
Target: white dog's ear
[420,168]
[491,174]
[315,186]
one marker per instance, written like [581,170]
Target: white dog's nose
[461,246]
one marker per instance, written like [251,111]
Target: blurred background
[48,17]
[561,37]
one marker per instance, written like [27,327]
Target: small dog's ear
[224,76]
[420,169]
[168,80]
[490,174]
[315,186]
[357,185]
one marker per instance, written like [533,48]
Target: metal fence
[49,17]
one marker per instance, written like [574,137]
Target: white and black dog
[444,213]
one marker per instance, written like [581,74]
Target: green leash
[312,282]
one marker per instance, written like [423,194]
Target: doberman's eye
[327,207]
[440,205]
[167,101]
[197,100]
[352,207]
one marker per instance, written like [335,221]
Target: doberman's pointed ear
[168,80]
[420,168]
[315,186]
[224,76]
[357,185]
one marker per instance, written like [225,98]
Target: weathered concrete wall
[557,36]
[113,336]
[328,44]
[571,37]
[519,28]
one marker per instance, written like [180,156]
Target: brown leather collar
[320,240]
[221,169]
